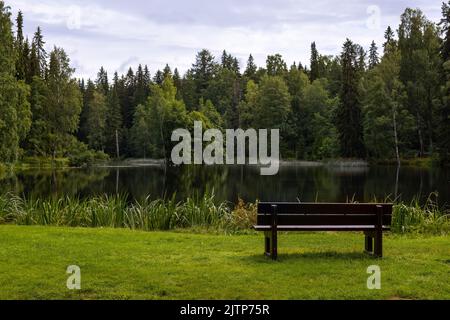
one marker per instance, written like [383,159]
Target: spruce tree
[15,116]
[113,131]
[21,63]
[159,77]
[374,60]
[420,62]
[314,73]
[203,71]
[177,81]
[126,89]
[63,104]
[88,93]
[250,71]
[348,116]
[38,55]
[167,72]
[389,37]
[102,82]
[444,112]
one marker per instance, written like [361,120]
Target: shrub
[80,155]
[244,215]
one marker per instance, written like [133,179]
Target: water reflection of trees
[44,183]
[230,182]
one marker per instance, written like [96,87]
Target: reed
[425,219]
[198,212]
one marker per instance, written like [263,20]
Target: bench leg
[378,250]
[368,243]
[267,243]
[271,244]
[274,248]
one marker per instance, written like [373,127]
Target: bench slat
[323,208]
[328,219]
[321,228]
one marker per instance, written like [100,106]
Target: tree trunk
[397,153]
[117,145]
[419,132]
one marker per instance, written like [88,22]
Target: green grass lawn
[123,264]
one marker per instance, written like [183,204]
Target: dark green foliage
[276,66]
[389,37]
[348,115]
[102,82]
[114,124]
[15,116]
[250,71]
[419,46]
[314,72]
[443,136]
[373,56]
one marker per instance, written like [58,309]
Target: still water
[294,182]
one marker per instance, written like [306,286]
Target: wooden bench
[371,219]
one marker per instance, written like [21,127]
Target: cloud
[118,34]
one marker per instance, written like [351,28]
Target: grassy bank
[169,214]
[426,162]
[122,264]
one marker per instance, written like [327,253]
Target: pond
[293,182]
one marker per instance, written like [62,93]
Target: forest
[389,102]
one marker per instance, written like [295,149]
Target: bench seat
[321,228]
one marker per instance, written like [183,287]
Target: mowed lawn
[124,264]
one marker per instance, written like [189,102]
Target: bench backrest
[317,214]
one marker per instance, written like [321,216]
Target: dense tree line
[380,105]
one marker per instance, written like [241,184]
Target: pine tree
[420,62]
[15,115]
[63,104]
[26,55]
[444,112]
[348,116]
[389,37]
[177,81]
[142,86]
[102,82]
[88,93]
[374,60]
[159,77]
[361,58]
[38,55]
[22,55]
[147,76]
[250,71]
[113,131]
[126,89]
[203,71]
[96,121]
[229,62]
[167,72]
[314,73]
[188,91]
[445,29]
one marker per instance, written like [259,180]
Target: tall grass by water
[426,218]
[169,214]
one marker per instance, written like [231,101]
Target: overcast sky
[118,34]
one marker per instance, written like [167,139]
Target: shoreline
[63,164]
